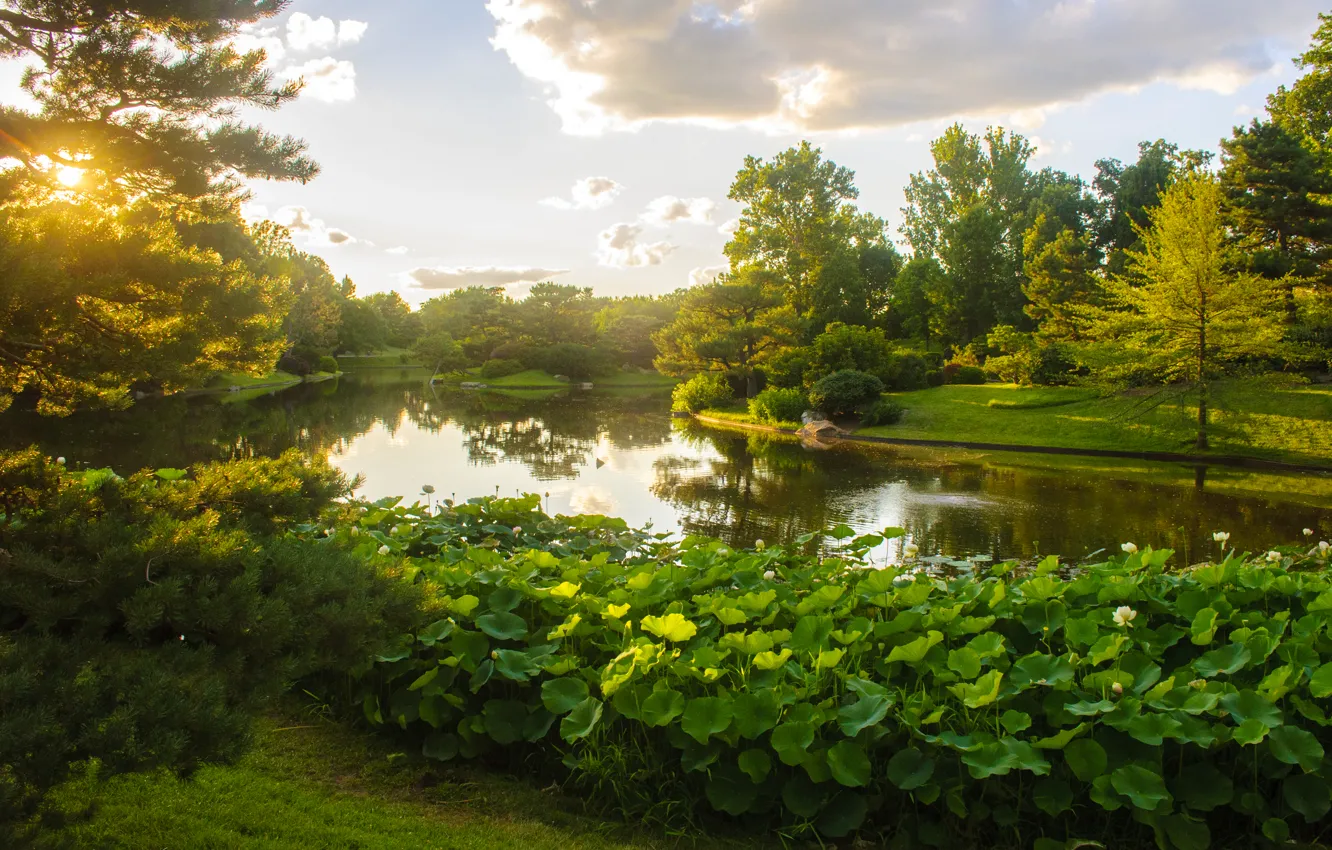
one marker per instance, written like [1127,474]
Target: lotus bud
[1308,532]
[355,531]
[759,544]
[393,530]
[60,460]
[1130,548]
[1118,689]
[910,550]
[770,575]
[1221,537]
[1324,547]
[384,550]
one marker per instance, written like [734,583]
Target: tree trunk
[1201,444]
[1292,311]
[751,384]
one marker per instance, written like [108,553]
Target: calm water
[619,453]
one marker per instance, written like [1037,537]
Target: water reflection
[619,453]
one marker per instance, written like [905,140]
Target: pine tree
[1182,314]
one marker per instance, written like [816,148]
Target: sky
[593,142]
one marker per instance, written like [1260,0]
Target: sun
[69,176]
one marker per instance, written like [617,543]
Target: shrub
[968,375]
[579,362]
[328,364]
[935,378]
[787,368]
[776,405]
[885,411]
[294,365]
[844,392]
[492,369]
[708,389]
[904,371]
[144,621]
[1116,702]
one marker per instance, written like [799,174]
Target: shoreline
[1160,457]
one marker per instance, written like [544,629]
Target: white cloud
[814,65]
[669,208]
[456,277]
[251,38]
[398,251]
[618,247]
[701,276]
[314,232]
[350,32]
[729,227]
[1046,148]
[307,33]
[328,79]
[590,193]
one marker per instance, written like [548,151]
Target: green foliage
[580,362]
[836,699]
[492,369]
[144,620]
[935,378]
[775,405]
[708,389]
[973,375]
[885,411]
[844,392]
[328,364]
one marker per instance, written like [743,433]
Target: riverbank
[1250,424]
[310,782]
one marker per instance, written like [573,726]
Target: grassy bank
[389,358]
[1248,419]
[314,784]
[537,378]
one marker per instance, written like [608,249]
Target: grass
[529,379]
[226,380]
[316,784]
[635,380]
[1250,418]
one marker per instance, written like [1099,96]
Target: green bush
[579,362]
[144,621]
[968,375]
[885,411]
[1123,702]
[708,389]
[844,392]
[775,405]
[493,369]
[934,378]
[904,371]
[328,364]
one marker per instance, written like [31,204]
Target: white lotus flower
[1221,536]
[1130,548]
[759,544]
[1324,547]
[770,575]
[384,550]
[1308,532]
[910,550]
[1124,615]
[1273,557]
[393,530]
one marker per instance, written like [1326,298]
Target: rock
[563,379]
[585,386]
[472,385]
[681,414]
[820,431]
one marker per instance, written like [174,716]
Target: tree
[555,313]
[1182,314]
[140,96]
[1061,270]
[979,287]
[404,326]
[477,317]
[909,313]
[439,352]
[1128,193]
[361,330]
[798,218]
[96,301]
[1275,186]
[1305,108]
[729,325]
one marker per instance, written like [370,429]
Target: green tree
[478,317]
[439,352]
[730,325]
[141,96]
[799,224]
[1061,279]
[911,308]
[1305,108]
[403,325]
[554,313]
[1129,193]
[95,301]
[1182,314]
[1276,189]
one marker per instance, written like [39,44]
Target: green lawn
[314,784]
[1249,418]
[635,379]
[532,378]
[391,357]
[226,380]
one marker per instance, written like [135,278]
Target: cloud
[701,276]
[399,250]
[302,224]
[618,247]
[669,208]
[328,79]
[1046,148]
[307,33]
[729,227]
[590,193]
[457,277]
[252,38]
[806,65]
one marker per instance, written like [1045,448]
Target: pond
[619,453]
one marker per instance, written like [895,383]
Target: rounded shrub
[328,364]
[934,378]
[885,411]
[709,389]
[775,405]
[493,369]
[844,392]
[968,375]
[294,364]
